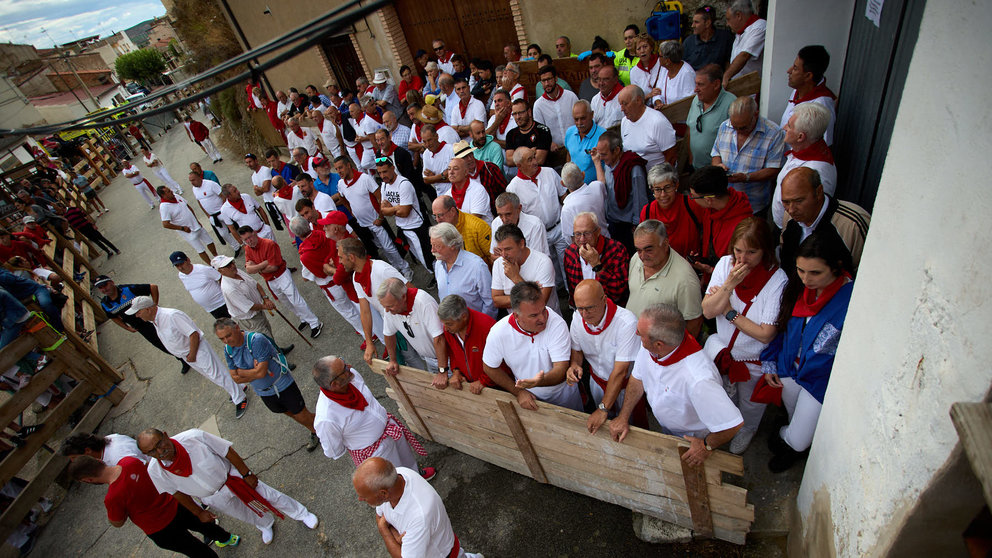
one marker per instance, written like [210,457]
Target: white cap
[139,303]
[221,261]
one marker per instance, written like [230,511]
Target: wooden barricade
[748,84]
[572,70]
[66,355]
[78,292]
[551,445]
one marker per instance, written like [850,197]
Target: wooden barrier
[551,445]
[78,292]
[572,70]
[747,84]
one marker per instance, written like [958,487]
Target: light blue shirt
[577,148]
[468,278]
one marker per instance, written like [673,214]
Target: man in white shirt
[518,263]
[330,132]
[804,135]
[533,343]
[361,149]
[682,386]
[203,284]
[153,162]
[399,201]
[501,121]
[321,201]
[350,419]
[540,191]
[469,194]
[510,83]
[554,107]
[604,336]
[282,104]
[581,198]
[410,515]
[208,195]
[303,136]
[183,339]
[413,314]
[245,298]
[110,448]
[366,274]
[243,211]
[645,132]
[437,155]
[466,109]
[198,464]
[809,86]
[140,183]
[749,41]
[305,161]
[177,215]
[605,105]
[261,180]
[509,212]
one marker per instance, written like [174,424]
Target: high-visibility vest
[624,63]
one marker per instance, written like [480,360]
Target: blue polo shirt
[577,148]
[258,347]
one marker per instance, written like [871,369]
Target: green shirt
[675,283]
[701,142]
[539,88]
[624,63]
[491,152]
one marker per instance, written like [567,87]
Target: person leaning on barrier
[465,331]
[413,314]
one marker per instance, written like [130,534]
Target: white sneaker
[741,441]
[266,534]
[311,521]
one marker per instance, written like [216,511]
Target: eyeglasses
[438,49]
[665,189]
[343,373]
[583,234]
[160,448]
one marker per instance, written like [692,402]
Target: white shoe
[311,521]
[266,534]
[741,441]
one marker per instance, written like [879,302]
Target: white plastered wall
[917,333]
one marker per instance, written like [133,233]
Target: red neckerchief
[445,60]
[819,151]
[354,178]
[286,192]
[554,100]
[810,305]
[611,311]
[440,146]
[682,232]
[416,128]
[719,225]
[315,251]
[754,282]
[298,132]
[533,179]
[688,346]
[163,200]
[513,324]
[440,125]
[181,465]
[599,244]
[392,149]
[616,91]
[361,116]
[650,64]
[411,295]
[479,165]
[459,193]
[621,176]
[364,277]
[351,399]
[239,205]
[821,90]
[463,106]
[750,21]
[375,116]
[503,125]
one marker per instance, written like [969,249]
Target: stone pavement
[493,511]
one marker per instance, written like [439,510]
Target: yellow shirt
[475,232]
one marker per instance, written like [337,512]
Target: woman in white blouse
[679,79]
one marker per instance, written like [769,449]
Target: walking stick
[291,326]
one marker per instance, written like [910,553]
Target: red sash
[181,465]
[621,176]
[455,548]
[352,399]
[250,497]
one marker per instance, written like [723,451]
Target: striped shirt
[763,148]
[76,218]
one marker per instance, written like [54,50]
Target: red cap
[318,161]
[334,218]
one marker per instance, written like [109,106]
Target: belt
[548,229]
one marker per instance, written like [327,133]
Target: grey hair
[224,323]
[741,7]
[448,235]
[447,202]
[292,120]
[588,215]
[812,119]
[671,50]
[379,480]
[299,226]
[512,67]
[446,79]
[667,324]
[613,140]
[507,198]
[525,291]
[743,105]
[303,150]
[663,172]
[432,65]
[636,92]
[583,103]
[391,286]
[451,308]
[652,226]
[572,176]
[521,152]
[368,100]
[323,371]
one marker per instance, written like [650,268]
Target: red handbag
[736,371]
[766,393]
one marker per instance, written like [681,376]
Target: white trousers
[344,306]
[558,244]
[740,392]
[389,250]
[804,412]
[397,452]
[198,239]
[211,149]
[414,241]
[598,393]
[214,369]
[225,502]
[145,193]
[285,289]
[266,232]
[167,178]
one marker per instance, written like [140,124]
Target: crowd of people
[576,264]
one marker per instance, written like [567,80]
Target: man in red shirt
[465,331]
[131,494]
[10,247]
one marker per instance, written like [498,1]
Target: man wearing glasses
[443,57]
[710,107]
[413,314]
[593,256]
[625,175]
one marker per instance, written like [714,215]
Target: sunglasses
[381,160]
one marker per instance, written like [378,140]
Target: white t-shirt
[380,272]
[751,41]
[329,135]
[828,177]
[476,201]
[764,310]
[179,214]
[260,177]
[174,328]
[540,200]
[501,135]
[323,203]
[309,168]
[203,284]
[556,115]
[527,355]
[518,92]
[208,194]
[241,295]
[686,397]
[340,428]
[232,216]
[589,198]
[401,192]
[649,137]
[534,234]
[438,163]
[357,193]
[133,174]
[422,321]
[308,141]
[288,206]
[649,80]
[210,468]
[618,343]
[475,111]
[151,159]
[421,518]
[120,446]
[678,87]
[606,113]
[537,268]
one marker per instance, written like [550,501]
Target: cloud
[67,20]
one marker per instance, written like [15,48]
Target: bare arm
[736,65]
[620,426]
[500,299]
[154,289]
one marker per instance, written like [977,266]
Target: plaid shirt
[612,275]
[764,148]
[492,179]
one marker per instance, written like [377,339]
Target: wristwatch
[706,444]
[731,316]
[602,407]
[597,267]
[442,370]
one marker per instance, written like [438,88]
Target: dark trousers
[367,239]
[90,232]
[176,535]
[624,234]
[423,233]
[220,312]
[48,305]
[275,215]
[143,142]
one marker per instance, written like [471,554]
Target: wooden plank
[405,401]
[523,443]
[699,498]
[679,110]
[95,358]
[21,400]
[17,348]
[52,468]
[69,310]
[748,84]
[973,422]
[68,280]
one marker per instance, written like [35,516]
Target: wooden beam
[699,499]
[404,399]
[523,442]
[973,422]
[747,84]
[17,348]
[21,400]
[69,280]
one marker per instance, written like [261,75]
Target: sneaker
[241,408]
[286,350]
[266,535]
[185,368]
[311,521]
[776,444]
[315,332]
[781,462]
[741,441]
[292,366]
[233,541]
[313,444]
[238,251]
[302,326]
[428,473]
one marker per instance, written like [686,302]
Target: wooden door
[344,61]
[472,28]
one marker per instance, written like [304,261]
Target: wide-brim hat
[380,77]
[430,115]
[462,149]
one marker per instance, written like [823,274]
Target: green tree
[145,65]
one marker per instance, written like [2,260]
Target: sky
[22,21]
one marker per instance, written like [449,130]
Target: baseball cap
[334,218]
[29,219]
[139,303]
[102,280]
[221,261]
[178,257]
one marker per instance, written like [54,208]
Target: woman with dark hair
[409,81]
[533,52]
[744,295]
[801,357]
